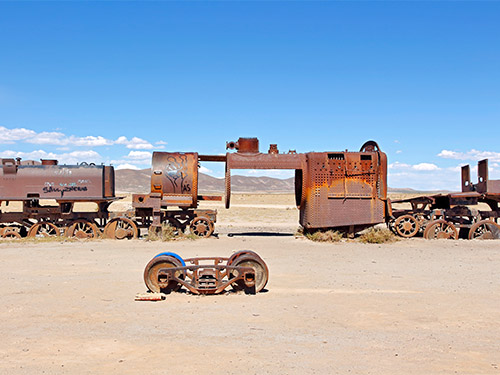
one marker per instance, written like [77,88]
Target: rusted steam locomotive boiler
[339,189]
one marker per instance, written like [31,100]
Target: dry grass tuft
[60,239]
[169,233]
[378,235]
[326,236]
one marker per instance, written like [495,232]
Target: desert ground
[408,307]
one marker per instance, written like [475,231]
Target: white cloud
[74,157]
[398,165]
[160,143]
[203,169]
[470,155]
[416,167]
[16,134]
[89,141]
[127,166]
[425,167]
[139,155]
[398,151]
[9,136]
[134,143]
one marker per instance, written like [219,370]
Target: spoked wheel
[11,234]
[82,229]
[44,229]
[151,273]
[247,258]
[120,228]
[484,230]
[406,226]
[439,229]
[202,226]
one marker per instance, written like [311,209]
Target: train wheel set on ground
[244,270]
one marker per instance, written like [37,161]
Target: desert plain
[409,307]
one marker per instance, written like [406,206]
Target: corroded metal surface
[454,214]
[345,190]
[244,270]
[52,181]
[175,177]
[48,192]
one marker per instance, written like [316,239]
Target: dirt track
[413,307]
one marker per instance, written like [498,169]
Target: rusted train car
[64,185]
[339,189]
[472,213]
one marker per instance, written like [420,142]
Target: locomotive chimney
[49,161]
[244,145]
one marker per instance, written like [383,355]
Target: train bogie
[244,270]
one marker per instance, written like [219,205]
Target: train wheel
[11,234]
[120,228]
[406,226]
[82,229]
[43,229]
[439,229]
[153,280]
[247,258]
[201,227]
[484,230]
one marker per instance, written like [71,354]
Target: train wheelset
[244,270]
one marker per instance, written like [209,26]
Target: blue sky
[112,81]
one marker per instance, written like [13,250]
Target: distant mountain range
[139,181]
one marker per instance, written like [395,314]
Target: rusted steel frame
[262,161]
[196,261]
[244,273]
[209,197]
[484,184]
[265,161]
[420,199]
[212,158]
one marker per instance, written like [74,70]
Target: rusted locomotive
[339,189]
[343,190]
[472,213]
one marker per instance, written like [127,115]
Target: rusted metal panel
[332,189]
[343,189]
[109,181]
[265,161]
[213,158]
[466,181]
[52,181]
[175,177]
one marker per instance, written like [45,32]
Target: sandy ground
[411,307]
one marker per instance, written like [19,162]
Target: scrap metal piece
[150,296]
